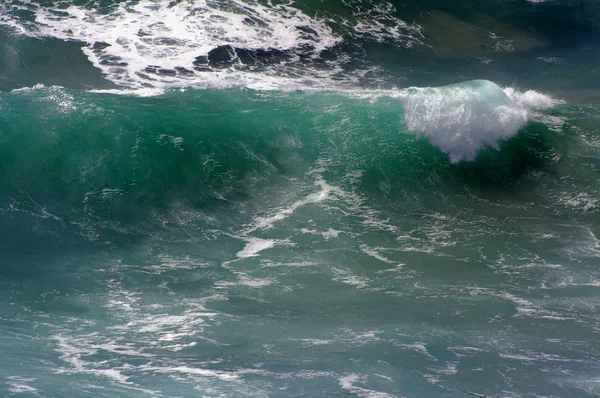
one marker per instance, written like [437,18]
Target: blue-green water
[345,199]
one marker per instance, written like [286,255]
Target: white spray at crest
[461,119]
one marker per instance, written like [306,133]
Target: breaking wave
[461,119]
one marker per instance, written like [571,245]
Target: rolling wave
[116,149]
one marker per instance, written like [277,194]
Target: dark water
[336,198]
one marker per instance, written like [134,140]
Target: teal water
[389,202]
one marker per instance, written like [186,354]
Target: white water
[461,119]
[170,35]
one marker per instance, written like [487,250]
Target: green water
[309,226]
[387,267]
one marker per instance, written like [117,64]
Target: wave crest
[461,119]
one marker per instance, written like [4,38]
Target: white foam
[282,213]
[21,385]
[113,374]
[551,60]
[524,307]
[245,280]
[530,99]
[348,383]
[138,92]
[580,201]
[159,323]
[376,21]
[345,276]
[173,34]
[418,347]
[331,233]
[373,252]
[38,86]
[315,342]
[531,356]
[450,368]
[255,246]
[193,371]
[133,36]
[170,263]
[462,119]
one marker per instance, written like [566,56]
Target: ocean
[337,198]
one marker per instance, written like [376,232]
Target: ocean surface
[337,198]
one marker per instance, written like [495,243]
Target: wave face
[236,198]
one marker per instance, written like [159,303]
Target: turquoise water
[352,199]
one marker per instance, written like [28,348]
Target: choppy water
[337,198]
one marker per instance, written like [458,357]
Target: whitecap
[462,119]
[255,246]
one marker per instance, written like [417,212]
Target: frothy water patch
[138,44]
[581,201]
[254,246]
[21,385]
[530,99]
[160,42]
[376,21]
[348,382]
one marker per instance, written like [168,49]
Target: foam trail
[461,119]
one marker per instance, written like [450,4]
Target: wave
[461,119]
[181,165]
